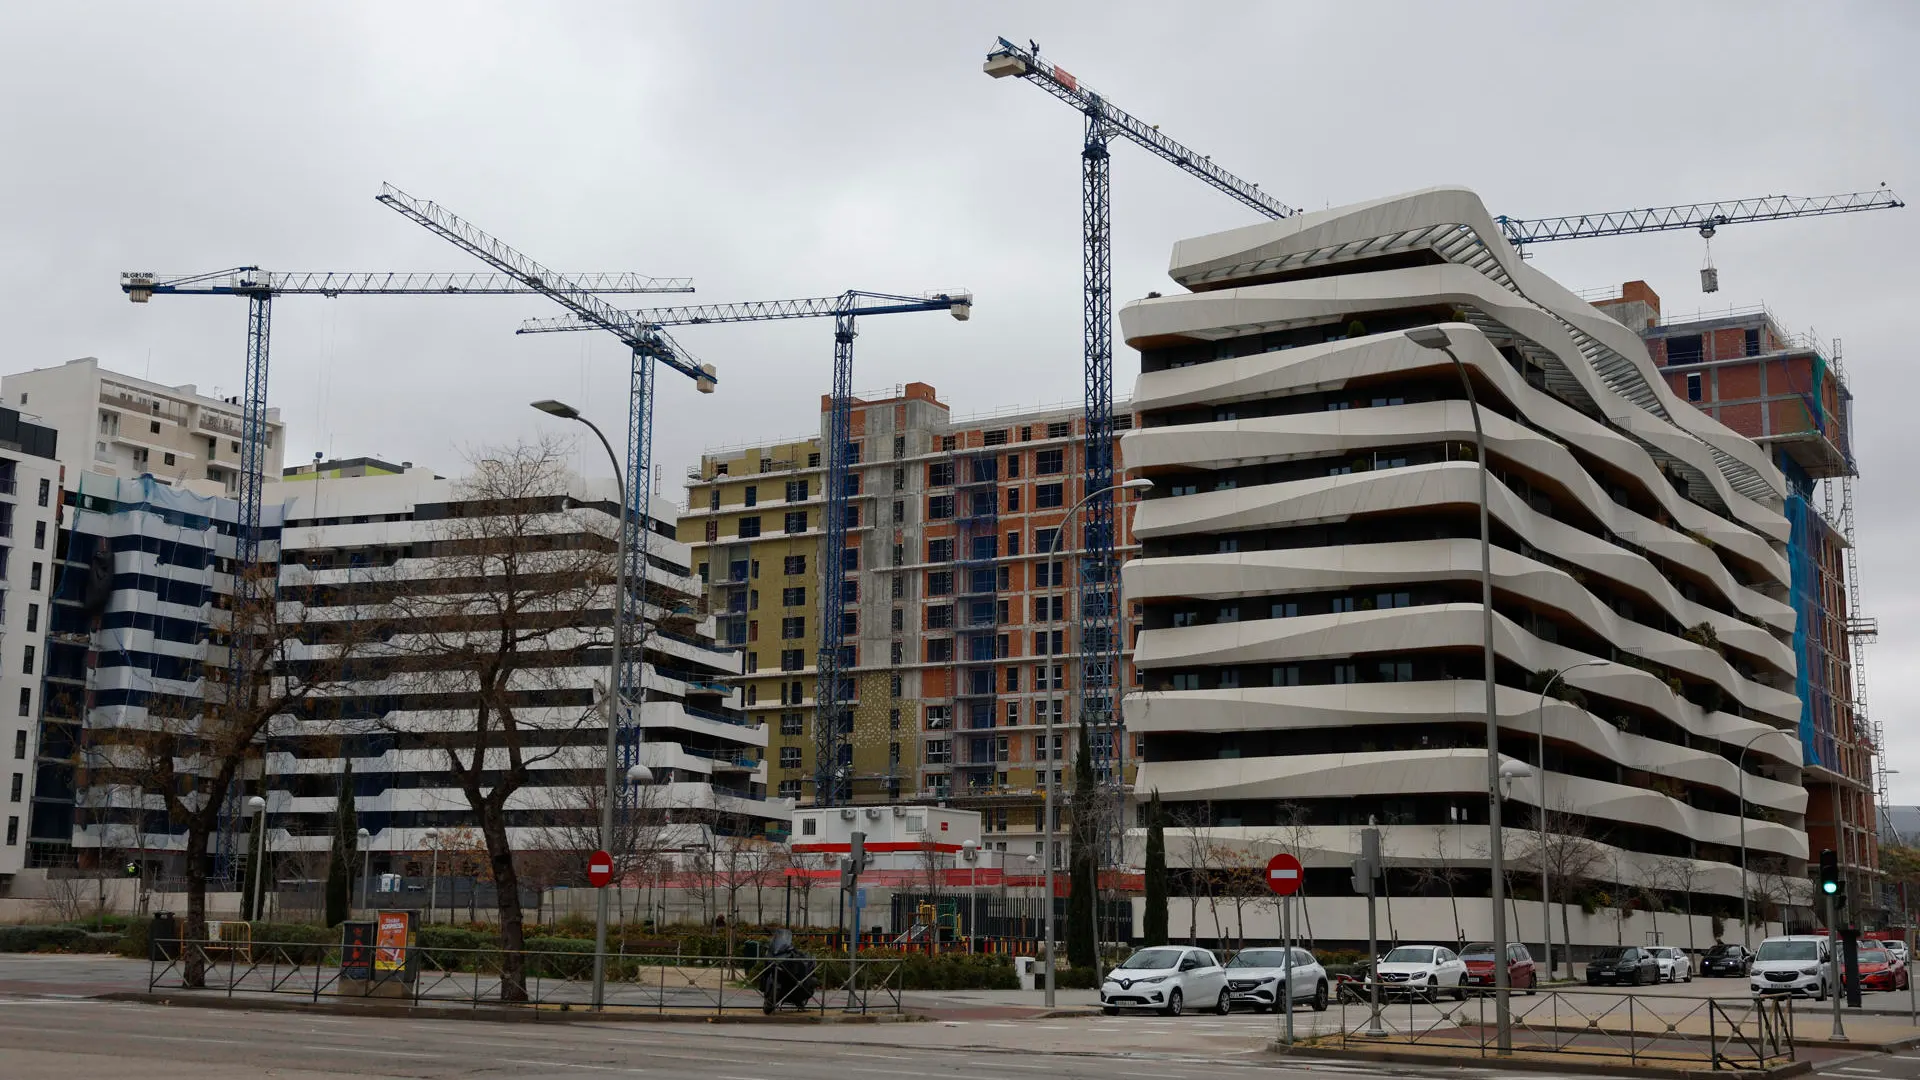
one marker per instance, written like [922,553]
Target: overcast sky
[795,149]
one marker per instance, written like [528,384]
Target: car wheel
[1433,990]
[1533,983]
[1224,1006]
[1460,989]
[1689,977]
[1176,1003]
[1320,997]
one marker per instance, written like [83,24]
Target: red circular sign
[1283,874]
[600,869]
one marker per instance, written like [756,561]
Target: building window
[939,507]
[789,757]
[26,661]
[753,695]
[1060,430]
[792,724]
[940,617]
[939,583]
[46,490]
[899,511]
[1283,610]
[33,579]
[793,627]
[26,709]
[940,474]
[948,442]
[1013,715]
[1049,462]
[33,620]
[1693,386]
[796,491]
[938,751]
[939,717]
[1013,466]
[13,830]
[20,744]
[1048,496]
[898,621]
[940,550]
[16,789]
[749,528]
[850,560]
[793,659]
[790,789]
[796,521]
[939,650]
[997,437]
[713,531]
[752,496]
[713,498]
[1013,543]
[796,564]
[794,597]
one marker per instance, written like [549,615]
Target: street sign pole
[1284,876]
[1286,990]
[1833,969]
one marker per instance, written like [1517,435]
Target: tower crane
[1704,217]
[260,287]
[1100,637]
[832,782]
[650,346]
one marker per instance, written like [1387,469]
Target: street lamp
[1433,337]
[568,412]
[366,866]
[1740,771]
[1546,907]
[257,810]
[1053,745]
[432,837]
[970,853]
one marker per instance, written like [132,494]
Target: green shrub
[133,941]
[40,938]
[1075,978]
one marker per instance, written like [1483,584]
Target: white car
[1167,978]
[1421,971]
[1675,964]
[1898,948]
[1254,977]
[1796,964]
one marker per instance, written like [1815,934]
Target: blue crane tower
[833,720]
[1098,570]
[260,287]
[650,346]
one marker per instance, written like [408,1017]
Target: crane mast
[833,723]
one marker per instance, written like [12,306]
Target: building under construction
[1788,393]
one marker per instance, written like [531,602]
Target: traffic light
[1829,872]
[133,869]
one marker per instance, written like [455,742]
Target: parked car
[1254,977]
[1421,971]
[1880,969]
[1166,978]
[1675,965]
[1896,947]
[1724,959]
[1521,972]
[1795,964]
[1628,965]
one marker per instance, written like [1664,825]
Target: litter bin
[163,937]
[1023,966]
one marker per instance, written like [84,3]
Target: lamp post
[1740,771]
[257,810]
[1433,337]
[618,618]
[1546,905]
[1053,745]
[432,837]
[366,866]
[970,854]
[1033,866]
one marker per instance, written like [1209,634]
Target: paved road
[72,1039]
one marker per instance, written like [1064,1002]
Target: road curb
[187,999]
[1538,1064]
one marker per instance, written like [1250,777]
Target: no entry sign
[600,869]
[1283,874]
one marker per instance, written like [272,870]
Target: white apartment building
[351,539]
[29,522]
[1310,574]
[118,425]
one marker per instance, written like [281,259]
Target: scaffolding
[976,619]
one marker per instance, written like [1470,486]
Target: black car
[1730,960]
[1626,965]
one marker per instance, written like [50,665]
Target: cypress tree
[346,838]
[1083,864]
[1154,930]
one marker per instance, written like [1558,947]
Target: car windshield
[1788,950]
[1408,954]
[1479,950]
[1662,953]
[1152,958]
[1259,958]
[1720,950]
[1610,953]
[1874,956]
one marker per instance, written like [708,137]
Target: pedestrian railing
[1722,1033]
[420,975]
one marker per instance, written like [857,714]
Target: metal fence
[1723,1033]
[659,983]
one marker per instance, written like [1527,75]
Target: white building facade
[1310,576]
[387,532]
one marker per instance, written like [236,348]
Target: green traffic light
[1830,887]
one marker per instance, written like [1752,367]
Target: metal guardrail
[1725,1033]
[657,983]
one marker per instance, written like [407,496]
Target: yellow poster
[390,941]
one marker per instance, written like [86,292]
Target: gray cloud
[798,149]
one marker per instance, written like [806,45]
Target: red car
[1879,970]
[1521,973]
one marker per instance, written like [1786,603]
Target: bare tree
[1573,859]
[512,604]
[572,835]
[798,872]
[1441,873]
[1203,860]
[1294,829]
[191,754]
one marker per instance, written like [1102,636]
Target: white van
[1795,964]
